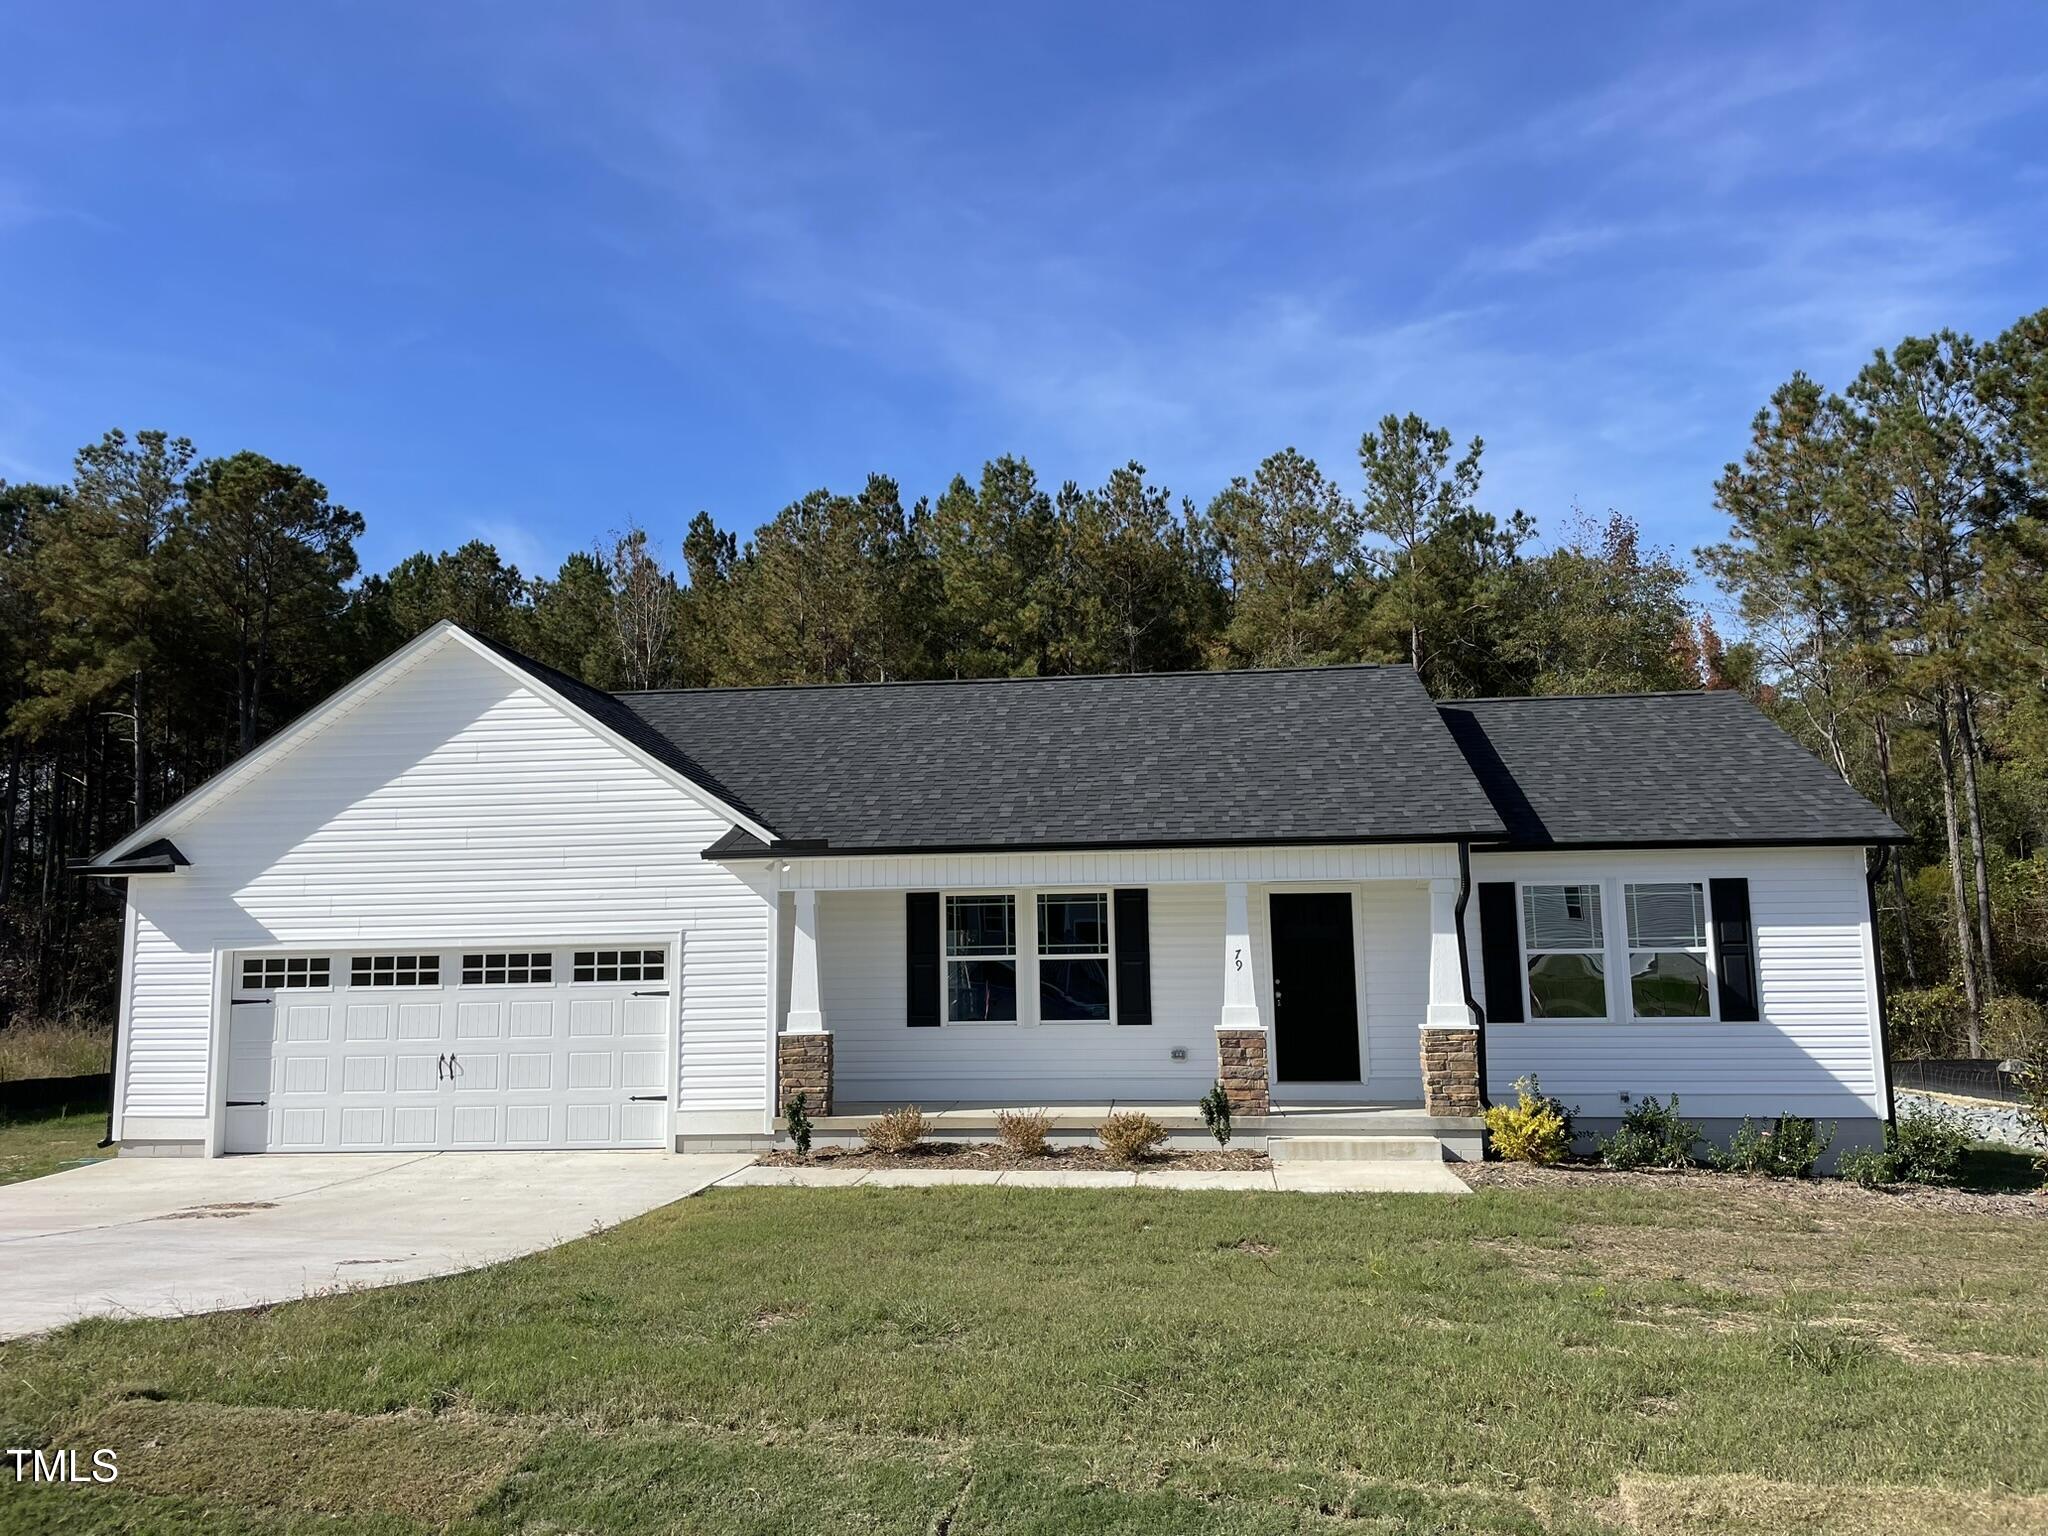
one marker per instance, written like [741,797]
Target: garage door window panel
[394,970]
[614,965]
[511,968]
[277,973]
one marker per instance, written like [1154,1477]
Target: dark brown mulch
[1816,1192]
[954,1154]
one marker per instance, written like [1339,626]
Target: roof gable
[542,681]
[1654,769]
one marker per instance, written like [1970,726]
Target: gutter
[1465,965]
[1873,872]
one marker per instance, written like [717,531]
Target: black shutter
[1133,956]
[921,958]
[1500,952]
[1734,949]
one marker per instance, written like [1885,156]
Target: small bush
[1868,1166]
[1928,1022]
[1215,1107]
[900,1130]
[1652,1135]
[1926,1146]
[796,1117]
[1790,1149]
[1024,1131]
[1131,1136]
[1534,1129]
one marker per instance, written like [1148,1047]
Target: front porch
[1323,989]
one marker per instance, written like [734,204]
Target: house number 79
[1237,960]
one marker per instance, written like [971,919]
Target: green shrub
[900,1130]
[1534,1129]
[1215,1107]
[2015,1027]
[1652,1135]
[796,1118]
[1131,1136]
[1926,1146]
[1868,1166]
[1928,1022]
[1790,1149]
[1024,1131]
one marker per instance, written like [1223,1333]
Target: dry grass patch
[1716,1506]
[55,1050]
[412,1464]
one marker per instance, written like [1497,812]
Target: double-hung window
[1073,957]
[1563,943]
[981,959]
[1668,970]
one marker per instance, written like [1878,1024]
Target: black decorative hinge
[649,1098]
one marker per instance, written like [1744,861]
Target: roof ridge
[1039,677]
[1569,698]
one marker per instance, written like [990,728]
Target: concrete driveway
[160,1237]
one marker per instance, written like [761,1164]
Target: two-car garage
[416,1047]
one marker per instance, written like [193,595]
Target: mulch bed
[954,1154]
[1815,1192]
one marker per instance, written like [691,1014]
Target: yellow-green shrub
[900,1130]
[1533,1129]
[1131,1135]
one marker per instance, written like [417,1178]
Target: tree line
[164,612]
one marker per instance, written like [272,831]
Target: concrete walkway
[160,1237]
[1315,1178]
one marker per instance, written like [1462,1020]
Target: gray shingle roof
[1654,768]
[1331,754]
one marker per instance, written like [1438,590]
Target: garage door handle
[649,1098]
[440,1065]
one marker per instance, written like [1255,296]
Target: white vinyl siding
[1815,1049]
[453,805]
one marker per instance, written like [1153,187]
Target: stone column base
[1241,1068]
[803,1065]
[1450,1071]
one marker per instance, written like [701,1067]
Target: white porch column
[1450,1032]
[805,1017]
[1447,1008]
[1240,989]
[1242,1056]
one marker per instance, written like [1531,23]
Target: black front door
[1315,990]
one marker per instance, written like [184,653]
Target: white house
[470,902]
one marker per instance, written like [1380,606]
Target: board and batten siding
[452,804]
[1817,1049]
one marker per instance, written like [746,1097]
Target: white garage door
[386,1050]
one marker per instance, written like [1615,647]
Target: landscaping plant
[1926,1146]
[1790,1149]
[797,1120]
[1534,1129]
[900,1130]
[1131,1136]
[1215,1109]
[1024,1131]
[1652,1135]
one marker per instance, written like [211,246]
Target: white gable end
[453,803]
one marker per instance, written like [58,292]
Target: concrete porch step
[1354,1149]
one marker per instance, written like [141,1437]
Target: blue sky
[530,272]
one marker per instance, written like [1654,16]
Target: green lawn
[32,1145]
[1677,1360]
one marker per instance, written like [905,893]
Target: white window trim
[642,950]
[440,969]
[1027,958]
[1614,948]
[243,984]
[1707,953]
[1108,895]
